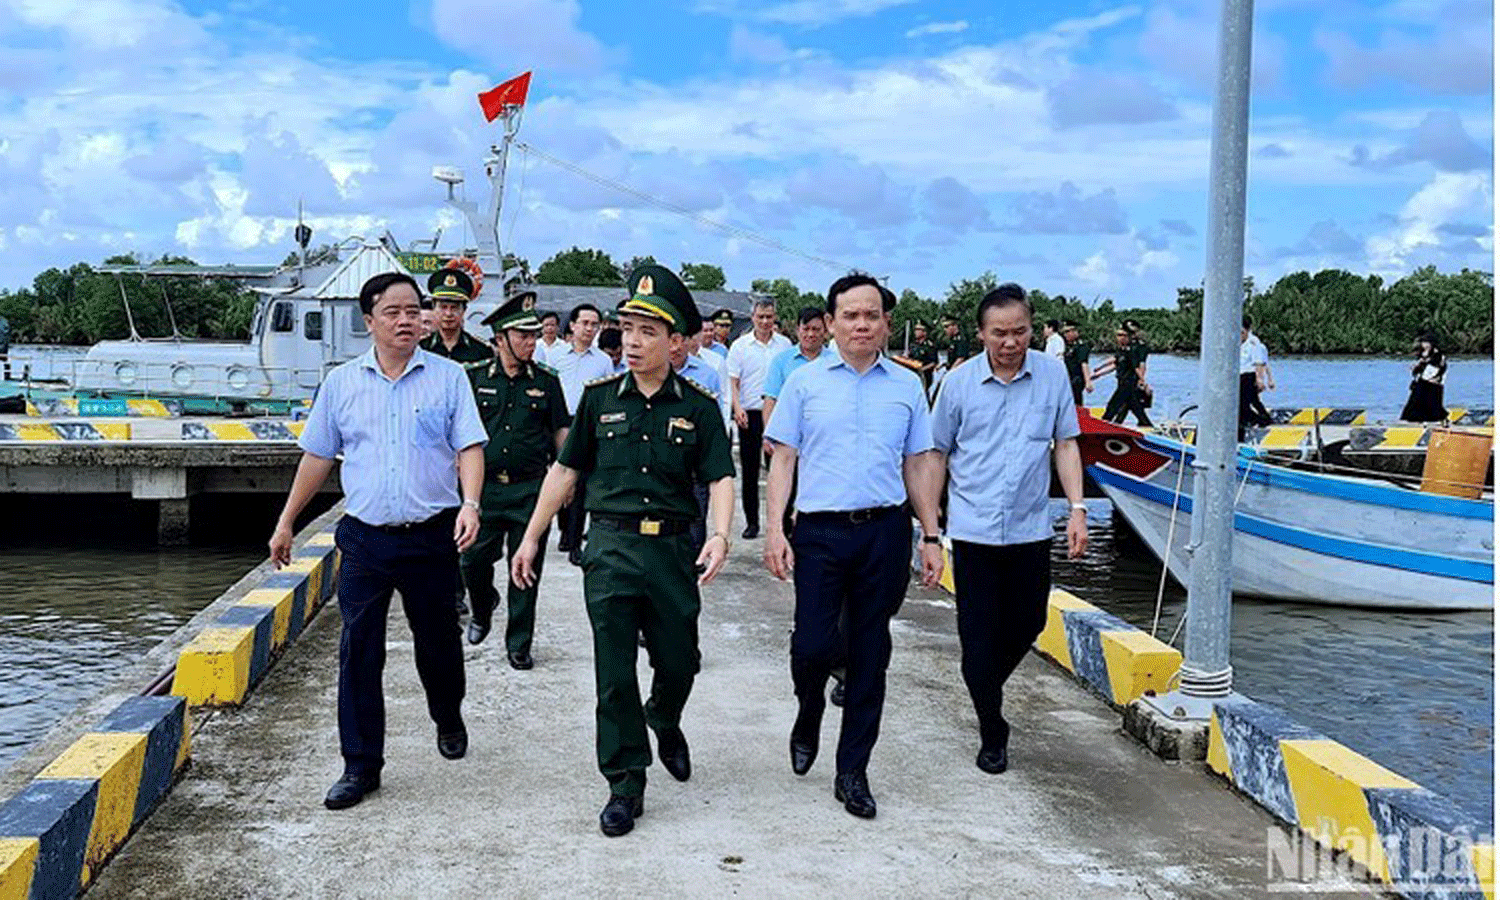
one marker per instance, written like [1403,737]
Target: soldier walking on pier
[642,438]
[856,426]
[997,420]
[521,404]
[402,418]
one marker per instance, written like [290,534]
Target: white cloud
[809,13]
[1448,198]
[938,28]
[755,47]
[515,35]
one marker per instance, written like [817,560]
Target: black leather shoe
[854,791]
[804,751]
[520,659]
[619,815]
[836,696]
[453,744]
[575,557]
[993,760]
[350,789]
[564,545]
[750,532]
[672,749]
[479,626]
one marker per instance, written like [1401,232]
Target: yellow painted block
[1137,662]
[31,409]
[1483,858]
[1308,416]
[1328,782]
[70,404]
[1457,412]
[281,601]
[1218,754]
[142,407]
[113,431]
[114,759]
[37,432]
[1361,419]
[231,431]
[214,667]
[321,539]
[184,746]
[1401,436]
[312,567]
[1053,641]
[1282,437]
[17,862]
[296,428]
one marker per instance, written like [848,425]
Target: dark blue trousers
[860,571]
[421,563]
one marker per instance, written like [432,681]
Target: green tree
[789,299]
[702,276]
[635,263]
[576,266]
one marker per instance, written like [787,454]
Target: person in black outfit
[1129,366]
[1425,402]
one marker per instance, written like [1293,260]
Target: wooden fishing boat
[1305,535]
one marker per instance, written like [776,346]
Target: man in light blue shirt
[409,431]
[578,364]
[812,343]
[1002,417]
[858,426]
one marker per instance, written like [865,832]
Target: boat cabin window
[282,318]
[312,326]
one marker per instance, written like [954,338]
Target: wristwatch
[472,504]
[1082,506]
[931,539]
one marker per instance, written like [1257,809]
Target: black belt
[851,516]
[641,524]
[443,518]
[514,476]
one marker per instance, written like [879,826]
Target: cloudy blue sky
[1062,145]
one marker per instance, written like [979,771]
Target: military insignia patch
[611,418]
[528,303]
[487,390]
[645,285]
[535,392]
[450,281]
[681,424]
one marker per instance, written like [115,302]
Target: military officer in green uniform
[641,438]
[955,342]
[1076,360]
[521,404]
[451,290]
[922,351]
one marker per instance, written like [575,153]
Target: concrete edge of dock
[74,799]
[1416,842]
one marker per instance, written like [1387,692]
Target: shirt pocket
[676,451]
[1038,423]
[616,443]
[432,427]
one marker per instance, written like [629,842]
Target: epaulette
[701,388]
[605,380]
[545,368]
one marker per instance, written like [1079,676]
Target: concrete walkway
[1083,813]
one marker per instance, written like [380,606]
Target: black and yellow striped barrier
[223,662]
[58,832]
[1317,415]
[256,430]
[1415,841]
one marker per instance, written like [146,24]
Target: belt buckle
[861,516]
[503,477]
[651,527]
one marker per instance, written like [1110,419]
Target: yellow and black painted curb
[221,665]
[1417,842]
[1105,653]
[60,830]
[256,430]
[102,406]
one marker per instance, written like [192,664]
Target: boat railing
[238,386]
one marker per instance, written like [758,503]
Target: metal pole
[1205,669]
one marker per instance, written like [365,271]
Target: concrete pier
[1084,812]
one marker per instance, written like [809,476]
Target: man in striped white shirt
[749,358]
[401,417]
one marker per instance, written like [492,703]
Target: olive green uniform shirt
[642,455]
[470,352]
[923,352]
[522,415]
[1076,358]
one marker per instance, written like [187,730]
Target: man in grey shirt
[999,417]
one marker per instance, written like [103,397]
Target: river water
[1412,691]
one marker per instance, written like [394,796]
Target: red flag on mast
[509,93]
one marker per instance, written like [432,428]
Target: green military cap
[1069,323]
[452,285]
[722,317]
[657,293]
[519,312]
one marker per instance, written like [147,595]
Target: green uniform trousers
[633,584]
[506,510]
